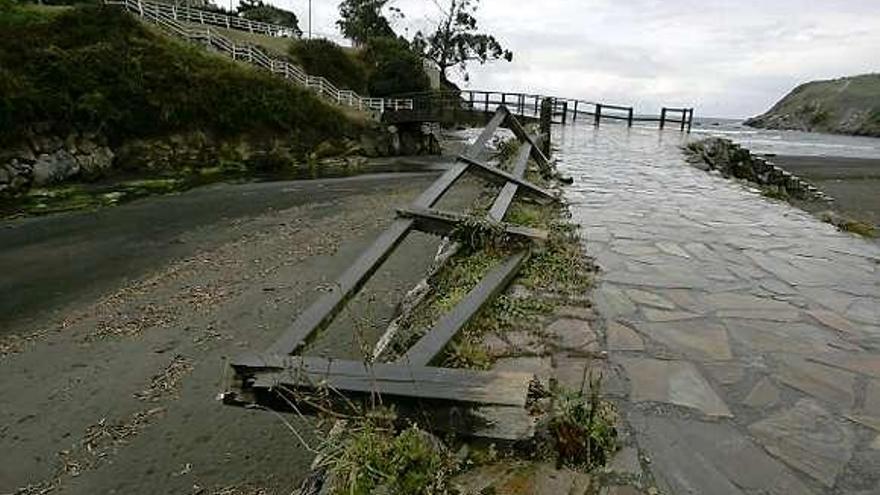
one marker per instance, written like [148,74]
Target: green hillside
[97,69]
[849,105]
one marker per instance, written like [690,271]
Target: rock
[54,168]
[94,165]
[764,394]
[626,461]
[832,385]
[623,338]
[673,382]
[696,457]
[574,335]
[809,439]
[646,298]
[578,312]
[696,339]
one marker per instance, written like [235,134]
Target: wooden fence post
[487,101]
[662,118]
[629,120]
[564,111]
[546,120]
[690,119]
[684,113]
[598,113]
[575,115]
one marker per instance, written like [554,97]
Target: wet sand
[116,326]
[854,183]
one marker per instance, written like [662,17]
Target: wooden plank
[319,314]
[444,223]
[505,198]
[432,344]
[543,162]
[501,176]
[448,385]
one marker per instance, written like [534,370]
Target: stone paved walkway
[743,334]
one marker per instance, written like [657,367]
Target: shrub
[394,68]
[99,69]
[320,57]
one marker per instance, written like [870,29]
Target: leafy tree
[394,68]
[457,40]
[257,10]
[362,20]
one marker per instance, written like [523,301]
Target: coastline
[852,182]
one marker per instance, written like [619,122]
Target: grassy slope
[98,69]
[848,105]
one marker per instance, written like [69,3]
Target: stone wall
[732,160]
[40,161]
[45,160]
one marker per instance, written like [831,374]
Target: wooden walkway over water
[452,106]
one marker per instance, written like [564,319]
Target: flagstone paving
[745,333]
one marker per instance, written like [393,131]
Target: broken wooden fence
[412,383]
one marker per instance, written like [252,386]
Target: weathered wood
[598,114]
[438,385]
[318,315]
[629,120]
[536,153]
[500,176]
[508,192]
[662,118]
[432,344]
[444,223]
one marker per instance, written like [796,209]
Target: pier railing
[449,105]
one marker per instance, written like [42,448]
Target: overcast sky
[727,58]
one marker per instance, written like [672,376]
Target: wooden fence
[449,105]
[167,18]
[412,382]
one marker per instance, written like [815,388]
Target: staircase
[170,18]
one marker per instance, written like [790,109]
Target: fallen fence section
[469,403]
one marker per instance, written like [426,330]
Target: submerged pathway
[743,334]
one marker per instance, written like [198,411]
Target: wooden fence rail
[166,17]
[450,104]
[410,381]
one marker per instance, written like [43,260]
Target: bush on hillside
[320,57]
[394,68]
[99,69]
[257,10]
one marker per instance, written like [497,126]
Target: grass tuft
[583,427]
[375,459]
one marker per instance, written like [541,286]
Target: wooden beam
[519,131]
[429,347]
[319,314]
[444,223]
[501,176]
[395,381]
[505,198]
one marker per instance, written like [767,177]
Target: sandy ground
[854,183]
[116,326]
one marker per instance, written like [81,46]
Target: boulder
[55,167]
